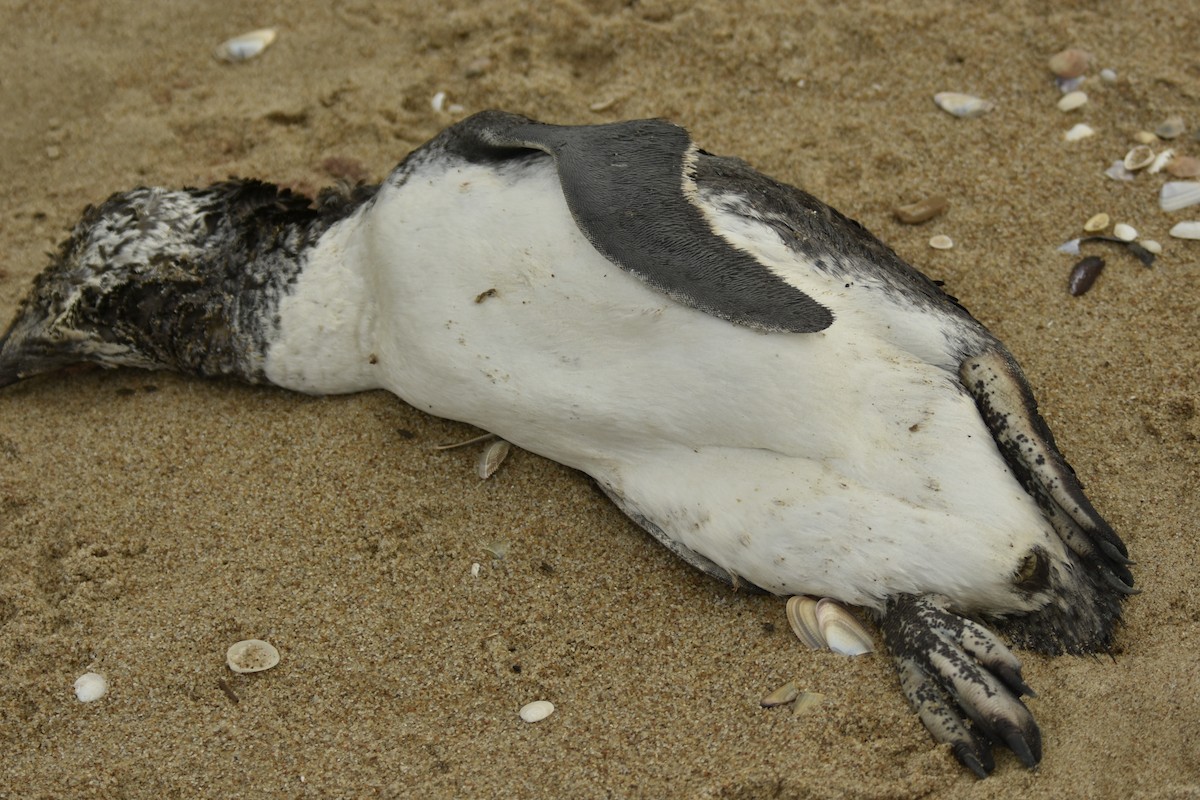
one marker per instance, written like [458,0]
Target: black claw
[1012,679]
[1118,584]
[1113,552]
[1016,742]
[969,757]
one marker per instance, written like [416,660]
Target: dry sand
[147,521]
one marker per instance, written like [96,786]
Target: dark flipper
[961,680]
[630,188]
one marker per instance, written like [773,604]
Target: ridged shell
[91,686]
[1179,194]
[246,46]
[492,457]
[842,631]
[1186,230]
[251,655]
[962,105]
[781,696]
[802,617]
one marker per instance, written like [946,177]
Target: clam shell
[1145,137]
[1096,223]
[781,696]
[1138,157]
[1080,131]
[802,617]
[492,457]
[536,711]
[246,46]
[1179,194]
[1152,246]
[1186,230]
[962,105]
[941,242]
[90,686]
[251,655]
[1072,100]
[842,631]
[807,702]
[1126,233]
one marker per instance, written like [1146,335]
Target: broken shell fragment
[941,242]
[842,631]
[1160,161]
[1072,100]
[1118,172]
[1186,230]
[90,686]
[922,210]
[1126,233]
[802,617]
[1170,128]
[1145,137]
[1183,167]
[246,46]
[492,457]
[536,711]
[1084,274]
[1138,157]
[781,696]
[251,655]
[1096,223]
[1152,246]
[807,702]
[961,105]
[1080,131]
[1070,63]
[1179,194]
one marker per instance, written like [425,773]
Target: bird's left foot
[953,670]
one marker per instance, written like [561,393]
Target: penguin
[749,375]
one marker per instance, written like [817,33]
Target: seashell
[941,242]
[807,702]
[1160,161]
[438,101]
[1179,194]
[536,711]
[90,686]
[922,210]
[1070,63]
[492,457]
[1080,131]
[1186,230]
[251,655]
[472,440]
[1126,233]
[1170,128]
[1071,248]
[1118,172]
[1138,157]
[1184,167]
[1084,274]
[802,617]
[1072,100]
[1152,246]
[1108,75]
[497,550]
[246,46]
[1068,85]
[781,696]
[842,631]
[962,105]
[1097,223]
[1145,137]
[475,569]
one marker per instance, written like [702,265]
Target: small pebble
[537,711]
[1186,230]
[1108,75]
[1080,131]
[1070,63]
[1170,128]
[922,210]
[1084,274]
[251,655]
[246,46]
[1184,167]
[1152,246]
[90,686]
[1068,85]
[941,242]
[603,105]
[1072,101]
[962,105]
[53,152]
[478,66]
[1126,233]
[1097,223]
[1145,137]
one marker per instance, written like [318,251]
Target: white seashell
[1145,137]
[941,242]
[251,655]
[1160,161]
[475,569]
[1080,131]
[497,550]
[1097,223]
[492,457]
[1118,172]
[246,46]
[1179,194]
[841,630]
[802,617]
[1108,75]
[1126,233]
[90,686]
[807,702]
[1151,245]
[536,711]
[1186,230]
[1070,248]
[962,105]
[1068,85]
[1072,100]
[1138,157]
[781,696]
[439,101]
[473,440]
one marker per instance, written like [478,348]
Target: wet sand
[147,521]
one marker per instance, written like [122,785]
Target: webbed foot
[956,672]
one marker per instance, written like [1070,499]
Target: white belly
[836,463]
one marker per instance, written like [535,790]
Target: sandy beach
[148,520]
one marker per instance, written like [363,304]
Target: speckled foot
[952,670]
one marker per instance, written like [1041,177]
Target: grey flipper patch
[624,184]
